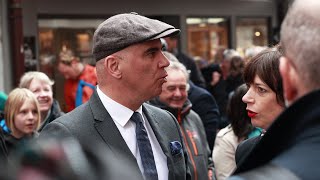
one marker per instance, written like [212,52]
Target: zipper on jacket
[192,142]
[190,154]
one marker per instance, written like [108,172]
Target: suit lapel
[162,139]
[108,130]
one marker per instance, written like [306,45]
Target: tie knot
[136,117]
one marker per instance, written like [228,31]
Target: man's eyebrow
[152,49]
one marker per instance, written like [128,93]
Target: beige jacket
[223,154]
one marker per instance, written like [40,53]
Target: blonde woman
[41,86]
[22,116]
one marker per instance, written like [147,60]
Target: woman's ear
[111,65]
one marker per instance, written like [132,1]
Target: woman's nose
[247,98]
[42,93]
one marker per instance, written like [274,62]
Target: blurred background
[34,32]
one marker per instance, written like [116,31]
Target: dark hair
[266,65]
[237,113]
[236,65]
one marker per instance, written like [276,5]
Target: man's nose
[164,62]
[177,92]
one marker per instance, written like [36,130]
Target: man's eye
[171,88]
[152,54]
[183,88]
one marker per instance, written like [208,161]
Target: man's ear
[289,79]
[111,65]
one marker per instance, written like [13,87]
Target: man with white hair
[290,148]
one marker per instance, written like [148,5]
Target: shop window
[251,32]
[56,35]
[206,36]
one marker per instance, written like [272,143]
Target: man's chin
[176,106]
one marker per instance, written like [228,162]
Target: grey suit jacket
[91,124]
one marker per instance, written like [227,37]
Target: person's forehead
[39,82]
[176,76]
[148,44]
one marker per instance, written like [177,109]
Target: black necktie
[149,166]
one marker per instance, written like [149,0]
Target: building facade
[49,26]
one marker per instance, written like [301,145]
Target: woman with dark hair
[229,137]
[264,98]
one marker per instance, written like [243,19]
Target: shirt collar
[119,113]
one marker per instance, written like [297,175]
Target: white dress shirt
[121,116]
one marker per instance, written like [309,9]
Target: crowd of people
[147,111]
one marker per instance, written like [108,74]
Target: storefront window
[206,36]
[56,35]
[251,33]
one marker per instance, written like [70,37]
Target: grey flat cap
[123,30]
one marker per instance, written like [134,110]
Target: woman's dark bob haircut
[266,65]
[237,113]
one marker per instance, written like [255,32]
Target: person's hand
[215,78]
[210,174]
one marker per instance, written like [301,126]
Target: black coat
[55,112]
[292,142]
[245,148]
[219,90]
[3,149]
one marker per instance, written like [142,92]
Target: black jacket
[55,112]
[13,144]
[292,142]
[219,90]
[3,149]
[200,161]
[245,148]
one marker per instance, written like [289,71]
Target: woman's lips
[251,114]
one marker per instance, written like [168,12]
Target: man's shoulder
[155,110]
[266,172]
[165,120]
[78,114]
[194,116]
[199,91]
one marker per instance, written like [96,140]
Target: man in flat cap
[130,70]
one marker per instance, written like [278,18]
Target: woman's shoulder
[227,131]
